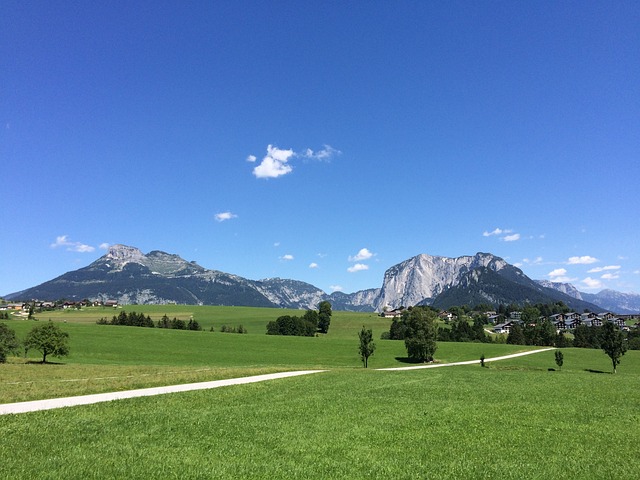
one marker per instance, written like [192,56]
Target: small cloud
[517,264]
[313,265]
[335,288]
[326,154]
[558,272]
[221,217]
[276,244]
[584,260]
[497,231]
[602,269]
[358,267]
[592,283]
[511,238]
[622,257]
[363,254]
[287,257]
[251,158]
[610,276]
[274,164]
[63,241]
[636,272]
[104,246]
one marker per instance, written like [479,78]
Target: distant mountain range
[127,275]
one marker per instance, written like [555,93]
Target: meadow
[514,419]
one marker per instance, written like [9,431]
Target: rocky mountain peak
[119,255]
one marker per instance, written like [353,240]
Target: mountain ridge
[129,276]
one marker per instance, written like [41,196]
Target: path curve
[468,362]
[33,406]
[36,405]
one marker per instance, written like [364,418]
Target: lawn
[516,421]
[519,418]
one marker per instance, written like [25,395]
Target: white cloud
[313,265]
[363,254]
[497,231]
[326,154]
[592,283]
[274,164]
[558,272]
[511,238]
[251,158]
[222,216]
[517,264]
[535,261]
[63,241]
[335,288]
[358,267]
[287,257]
[602,269]
[276,244]
[584,260]
[610,276]
[104,246]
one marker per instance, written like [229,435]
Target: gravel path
[23,407]
[36,405]
[468,362]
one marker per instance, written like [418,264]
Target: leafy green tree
[48,339]
[559,359]
[324,316]
[516,335]
[421,334]
[546,333]
[8,342]
[613,342]
[367,346]
[312,317]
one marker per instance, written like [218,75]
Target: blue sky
[322,141]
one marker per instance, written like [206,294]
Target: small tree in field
[613,343]
[367,346]
[48,339]
[8,342]
[559,359]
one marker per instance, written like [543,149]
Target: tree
[8,342]
[559,359]
[324,316]
[48,339]
[367,347]
[421,334]
[613,342]
[516,335]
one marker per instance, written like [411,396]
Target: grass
[514,419]
[459,422]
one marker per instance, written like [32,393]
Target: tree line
[311,323]
[133,319]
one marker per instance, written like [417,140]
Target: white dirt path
[23,407]
[468,362]
[36,405]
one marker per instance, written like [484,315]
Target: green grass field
[515,419]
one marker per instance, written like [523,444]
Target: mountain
[361,301]
[129,276]
[562,287]
[609,300]
[617,302]
[483,278]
